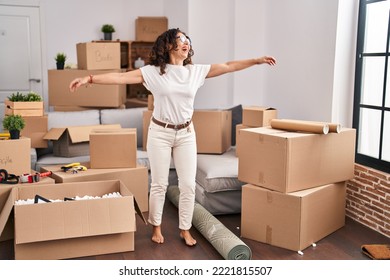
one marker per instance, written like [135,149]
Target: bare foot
[188,239]
[157,235]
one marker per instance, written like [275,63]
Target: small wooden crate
[32,108]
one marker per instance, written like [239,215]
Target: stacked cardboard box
[24,108]
[15,155]
[93,58]
[295,191]
[147,29]
[103,96]
[35,120]
[255,116]
[213,129]
[113,155]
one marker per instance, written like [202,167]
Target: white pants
[162,144]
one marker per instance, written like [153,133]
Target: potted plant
[24,104]
[60,60]
[14,124]
[108,29]
[21,97]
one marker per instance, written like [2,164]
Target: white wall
[66,23]
[312,40]
[73,21]
[301,34]
[177,13]
[211,27]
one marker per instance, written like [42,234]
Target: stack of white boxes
[295,191]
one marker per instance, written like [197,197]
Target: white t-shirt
[174,92]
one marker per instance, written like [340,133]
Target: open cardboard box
[70,229]
[135,179]
[5,190]
[73,141]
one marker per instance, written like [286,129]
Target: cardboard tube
[334,127]
[297,125]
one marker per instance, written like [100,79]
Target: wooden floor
[344,244]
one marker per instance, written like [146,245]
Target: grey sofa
[217,186]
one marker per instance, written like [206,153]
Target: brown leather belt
[173,126]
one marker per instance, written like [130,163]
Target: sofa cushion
[127,118]
[217,173]
[73,118]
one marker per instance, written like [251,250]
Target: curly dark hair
[159,55]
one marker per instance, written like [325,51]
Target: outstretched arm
[130,77]
[232,66]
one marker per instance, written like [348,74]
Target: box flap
[54,133]
[114,131]
[125,190]
[6,211]
[81,133]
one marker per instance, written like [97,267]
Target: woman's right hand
[76,83]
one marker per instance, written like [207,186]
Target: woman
[173,80]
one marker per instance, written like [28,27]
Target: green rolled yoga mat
[223,240]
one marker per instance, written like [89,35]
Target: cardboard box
[8,231]
[35,129]
[115,148]
[73,141]
[66,108]
[149,28]
[69,229]
[105,96]
[5,190]
[238,128]
[256,116]
[98,56]
[213,130]
[24,108]
[295,220]
[135,179]
[15,155]
[147,116]
[291,161]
